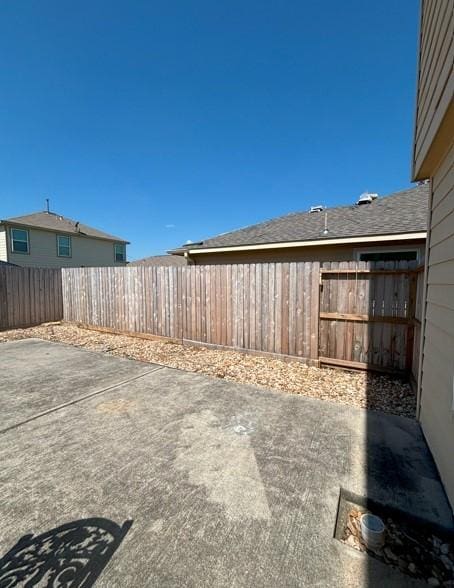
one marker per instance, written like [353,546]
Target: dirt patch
[115,406]
[360,389]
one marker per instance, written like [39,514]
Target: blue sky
[166,121]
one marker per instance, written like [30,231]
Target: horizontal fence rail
[29,296]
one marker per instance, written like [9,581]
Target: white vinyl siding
[85,251]
[437,380]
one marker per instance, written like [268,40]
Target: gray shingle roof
[56,222]
[161,260]
[400,212]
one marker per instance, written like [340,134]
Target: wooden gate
[367,313]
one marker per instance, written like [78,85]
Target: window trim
[123,245]
[414,249]
[12,239]
[58,235]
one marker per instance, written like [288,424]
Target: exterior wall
[3,245]
[86,251]
[435,84]
[434,159]
[437,378]
[322,253]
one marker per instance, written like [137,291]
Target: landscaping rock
[407,548]
[436,542]
[361,389]
[390,554]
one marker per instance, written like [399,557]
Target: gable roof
[56,222]
[161,260]
[397,213]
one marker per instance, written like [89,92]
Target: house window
[63,246]
[389,256]
[120,252]
[19,241]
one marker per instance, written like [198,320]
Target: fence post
[3,300]
[315,311]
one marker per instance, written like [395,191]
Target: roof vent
[366,198]
[318,208]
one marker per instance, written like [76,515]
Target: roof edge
[309,243]
[112,239]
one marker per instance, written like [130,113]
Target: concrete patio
[226,485]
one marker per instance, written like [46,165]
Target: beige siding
[86,251]
[325,253]
[434,159]
[3,246]
[437,381]
[435,107]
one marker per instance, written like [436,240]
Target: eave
[313,243]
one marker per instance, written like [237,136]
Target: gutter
[294,244]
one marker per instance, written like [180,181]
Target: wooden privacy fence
[268,307]
[352,314]
[29,296]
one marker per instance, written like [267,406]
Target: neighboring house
[161,261]
[433,158]
[377,228]
[47,239]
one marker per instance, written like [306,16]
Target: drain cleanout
[416,547]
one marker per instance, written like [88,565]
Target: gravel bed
[414,551]
[361,389]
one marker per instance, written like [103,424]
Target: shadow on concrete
[402,481]
[401,475]
[74,554]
